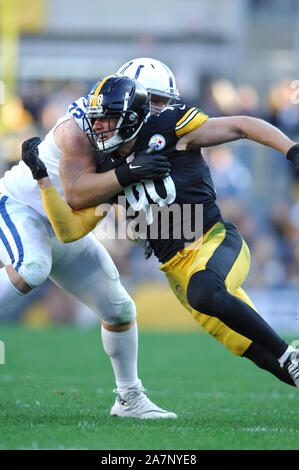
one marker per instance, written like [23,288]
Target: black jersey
[171,208]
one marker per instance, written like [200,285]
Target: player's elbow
[66,235]
[244,125]
[68,238]
[74,198]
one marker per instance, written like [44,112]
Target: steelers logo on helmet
[157,141]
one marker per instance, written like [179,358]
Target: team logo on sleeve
[157,141]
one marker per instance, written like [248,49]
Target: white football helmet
[153,75]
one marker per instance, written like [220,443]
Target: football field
[56,393]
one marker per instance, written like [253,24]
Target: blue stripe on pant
[12,228]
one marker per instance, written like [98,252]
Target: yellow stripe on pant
[206,253]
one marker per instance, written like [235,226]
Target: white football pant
[83,268]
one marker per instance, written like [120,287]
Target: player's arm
[216,131]
[69,225]
[83,187]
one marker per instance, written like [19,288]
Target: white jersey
[18,183]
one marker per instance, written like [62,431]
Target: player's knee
[128,311]
[205,292]
[122,313]
[36,271]
[121,307]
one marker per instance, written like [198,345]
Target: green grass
[56,393]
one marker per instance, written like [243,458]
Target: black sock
[207,294]
[267,361]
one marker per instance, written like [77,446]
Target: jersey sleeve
[69,225]
[76,110]
[188,120]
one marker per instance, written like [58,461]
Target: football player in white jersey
[31,252]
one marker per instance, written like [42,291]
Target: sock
[285,355]
[265,360]
[122,348]
[9,295]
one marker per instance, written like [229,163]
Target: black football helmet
[115,97]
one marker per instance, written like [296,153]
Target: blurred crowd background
[229,57]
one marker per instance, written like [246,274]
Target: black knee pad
[205,292]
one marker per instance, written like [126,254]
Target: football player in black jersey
[205,272]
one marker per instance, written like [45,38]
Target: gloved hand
[144,167]
[147,249]
[133,235]
[31,158]
[293,156]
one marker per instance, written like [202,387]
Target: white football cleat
[133,403]
[292,365]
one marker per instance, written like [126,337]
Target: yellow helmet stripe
[98,89]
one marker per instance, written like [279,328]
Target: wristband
[123,175]
[293,152]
